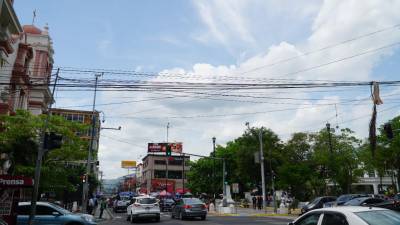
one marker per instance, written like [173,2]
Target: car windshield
[192,201]
[61,209]
[147,200]
[344,198]
[380,217]
[315,201]
[125,198]
[355,202]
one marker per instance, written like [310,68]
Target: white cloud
[228,21]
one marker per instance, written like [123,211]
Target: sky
[215,41]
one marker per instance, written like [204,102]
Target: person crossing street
[103,206]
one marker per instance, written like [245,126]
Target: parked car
[343,199]
[364,201]
[397,197]
[49,213]
[351,215]
[143,207]
[121,203]
[317,203]
[166,204]
[189,207]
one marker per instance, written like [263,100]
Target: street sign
[235,188]
[128,164]
[162,147]
[15,181]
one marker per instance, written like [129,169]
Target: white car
[121,203]
[349,215]
[144,207]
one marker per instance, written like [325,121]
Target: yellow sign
[128,164]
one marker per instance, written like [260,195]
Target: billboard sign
[162,147]
[15,181]
[128,164]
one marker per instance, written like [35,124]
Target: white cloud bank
[229,22]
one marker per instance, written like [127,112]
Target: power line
[322,49]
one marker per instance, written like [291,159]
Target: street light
[261,164]
[262,168]
[213,175]
[110,128]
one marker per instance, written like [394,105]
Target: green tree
[19,140]
[298,173]
[388,156]
[341,165]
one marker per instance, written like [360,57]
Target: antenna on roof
[34,17]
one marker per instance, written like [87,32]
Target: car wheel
[203,217]
[158,218]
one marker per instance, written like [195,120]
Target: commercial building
[154,173]
[84,117]
[371,183]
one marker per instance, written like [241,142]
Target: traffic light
[168,151]
[388,130]
[52,141]
[83,177]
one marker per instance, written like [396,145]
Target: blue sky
[218,37]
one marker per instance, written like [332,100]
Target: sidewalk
[269,212]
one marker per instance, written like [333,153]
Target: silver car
[144,207]
[48,213]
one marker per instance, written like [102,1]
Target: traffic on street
[200,112]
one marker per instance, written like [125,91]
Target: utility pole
[262,170]
[42,149]
[223,177]
[213,175]
[261,165]
[183,173]
[328,129]
[272,180]
[101,180]
[85,194]
[166,163]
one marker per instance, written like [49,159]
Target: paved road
[120,219]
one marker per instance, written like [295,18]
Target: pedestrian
[254,199]
[103,206]
[259,202]
[90,206]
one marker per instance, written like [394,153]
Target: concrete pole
[223,177]
[42,149]
[213,175]
[85,194]
[166,163]
[262,169]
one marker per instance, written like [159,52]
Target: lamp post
[213,175]
[85,192]
[262,166]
